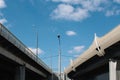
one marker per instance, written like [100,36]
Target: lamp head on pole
[58,36]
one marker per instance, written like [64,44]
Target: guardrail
[14,40]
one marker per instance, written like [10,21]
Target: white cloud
[70,33]
[93,5]
[68,12]
[117,1]
[40,51]
[68,1]
[2,4]
[86,4]
[3,20]
[77,49]
[109,13]
[112,12]
[93,2]
[78,10]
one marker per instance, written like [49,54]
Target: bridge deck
[15,50]
[95,60]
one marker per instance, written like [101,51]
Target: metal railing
[14,40]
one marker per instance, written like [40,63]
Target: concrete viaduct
[17,62]
[101,61]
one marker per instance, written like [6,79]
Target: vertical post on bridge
[20,73]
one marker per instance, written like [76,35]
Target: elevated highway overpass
[17,62]
[101,61]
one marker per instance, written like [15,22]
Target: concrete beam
[16,59]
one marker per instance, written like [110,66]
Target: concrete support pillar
[64,78]
[20,73]
[49,78]
[118,70]
[112,70]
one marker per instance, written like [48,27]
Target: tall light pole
[37,44]
[36,35]
[59,61]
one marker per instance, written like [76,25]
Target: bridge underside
[9,69]
[16,64]
[97,68]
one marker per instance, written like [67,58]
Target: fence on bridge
[14,40]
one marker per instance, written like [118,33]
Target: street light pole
[37,44]
[36,35]
[59,61]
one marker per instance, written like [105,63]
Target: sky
[75,20]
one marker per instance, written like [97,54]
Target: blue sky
[75,20]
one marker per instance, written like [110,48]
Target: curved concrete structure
[97,48]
